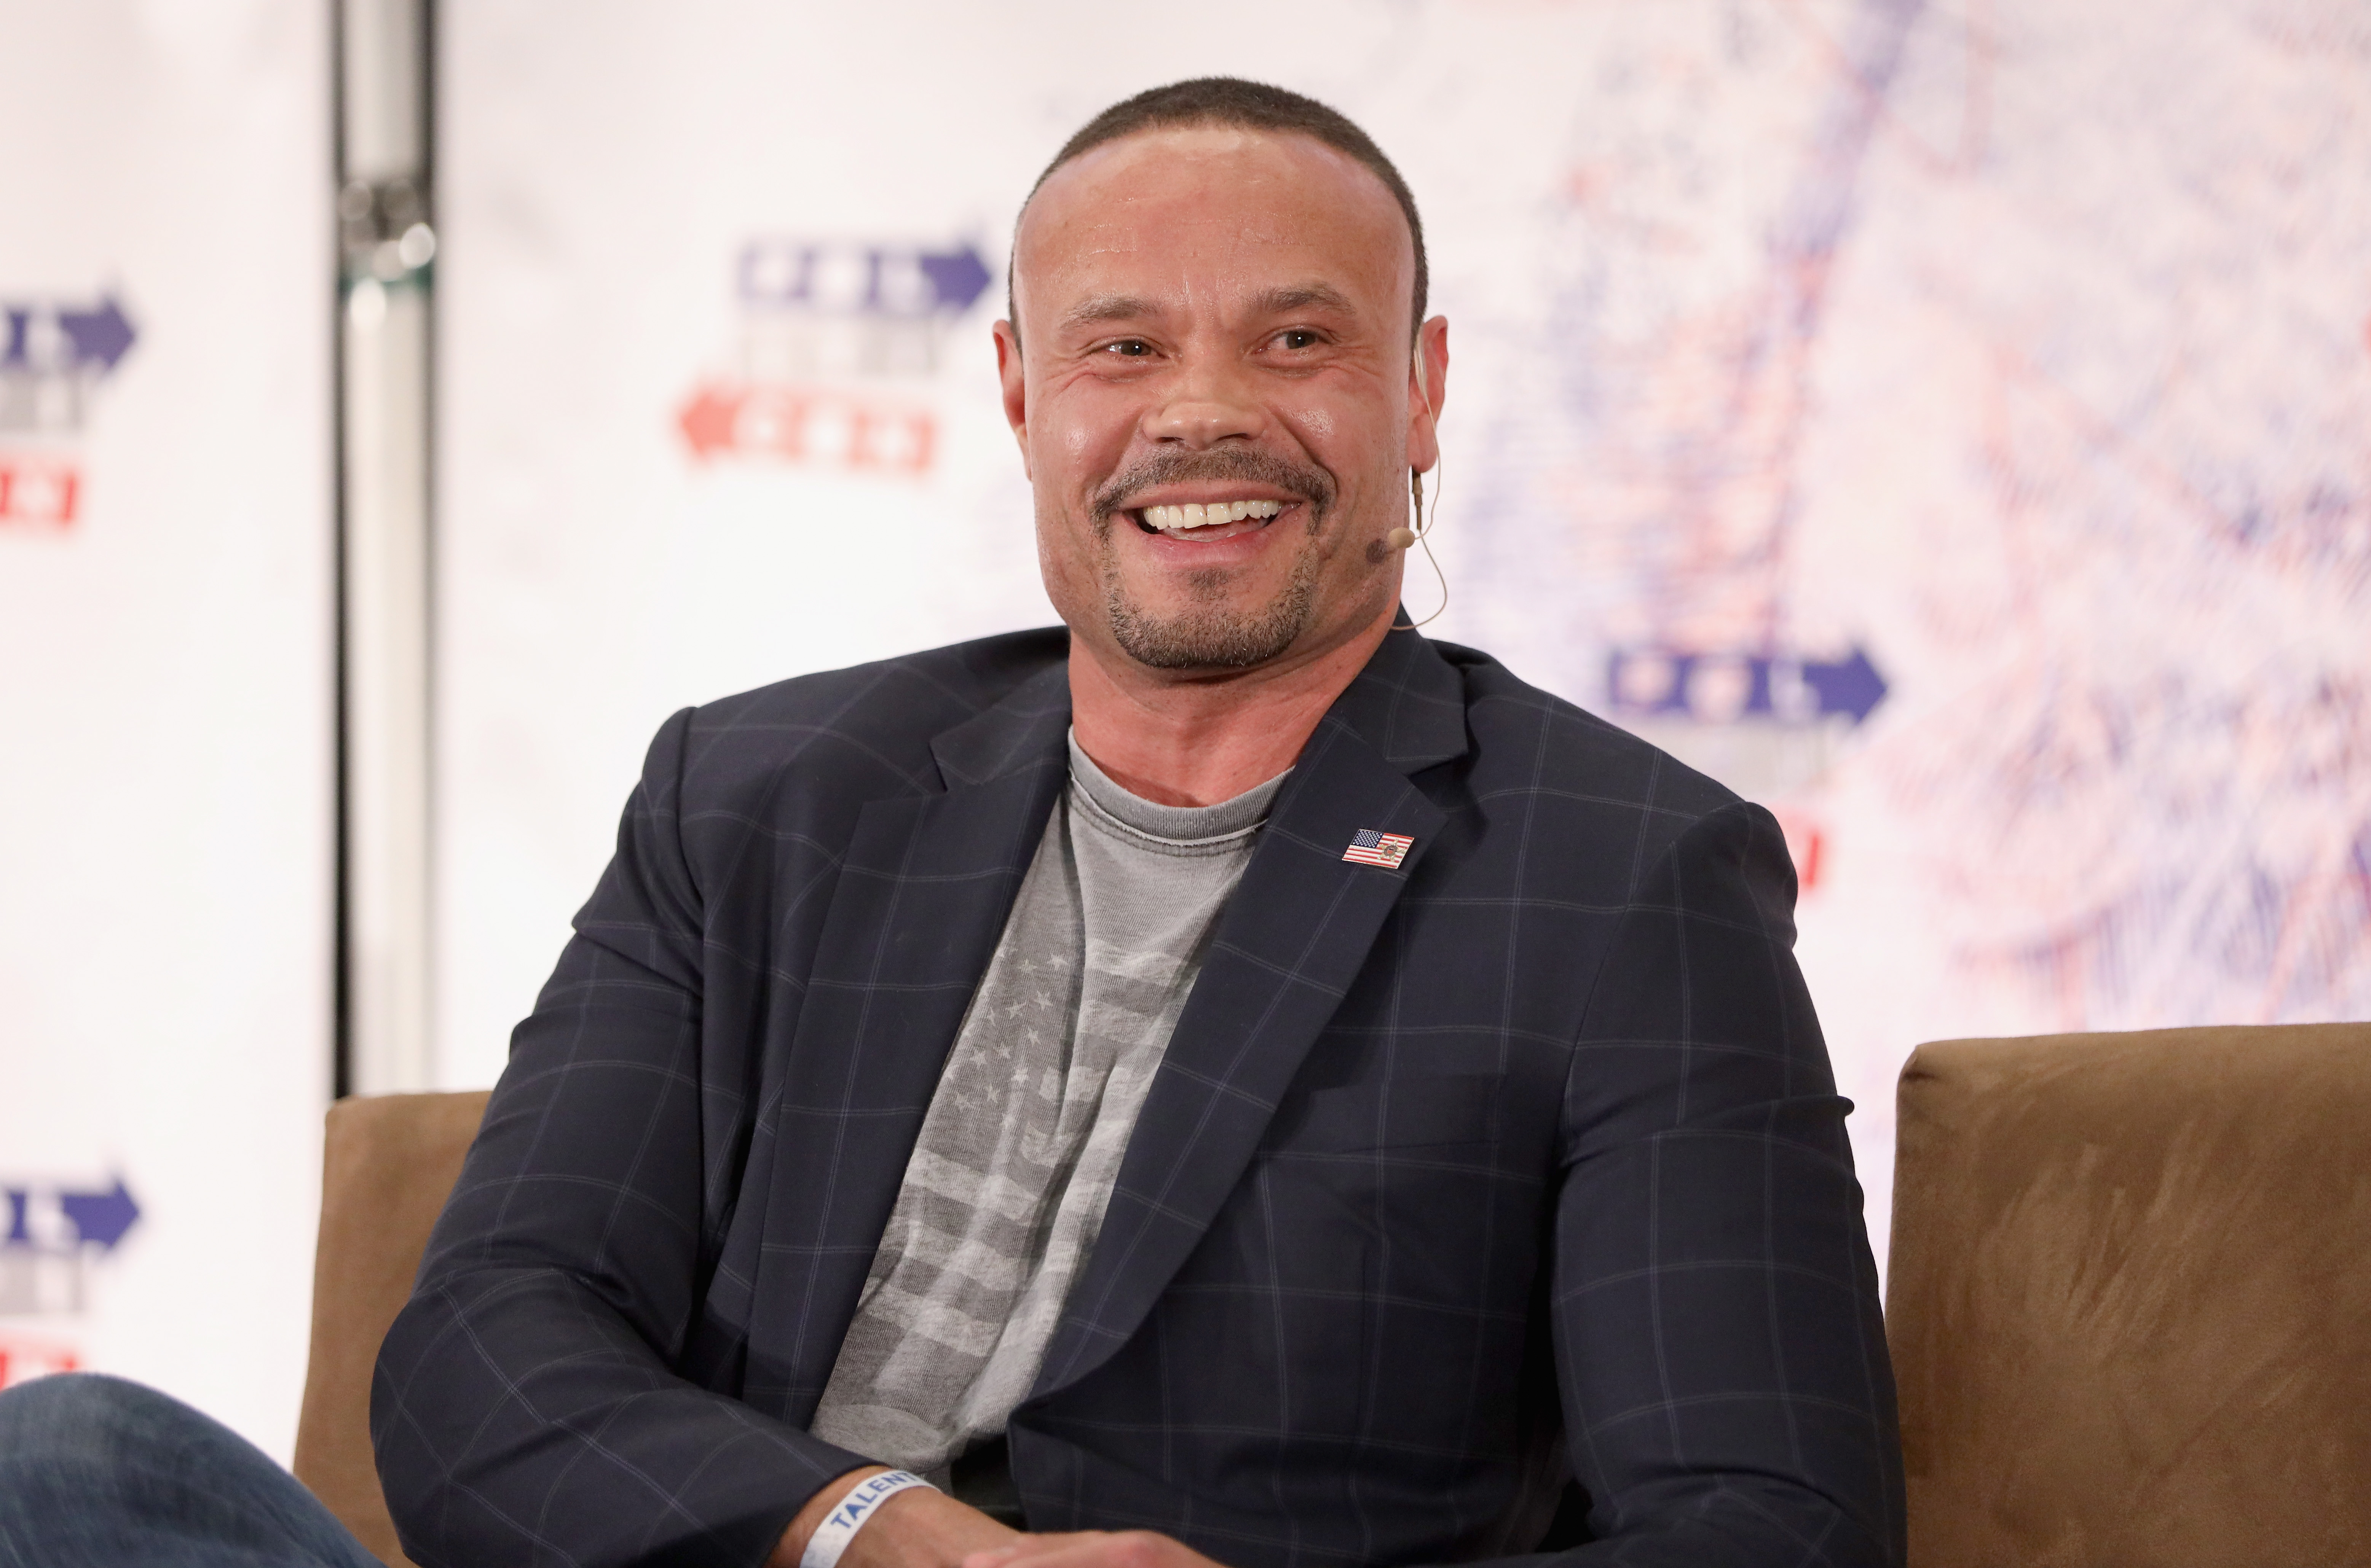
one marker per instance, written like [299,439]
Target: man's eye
[1296,337]
[1128,348]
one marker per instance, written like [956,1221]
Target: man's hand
[1091,1548]
[914,1529]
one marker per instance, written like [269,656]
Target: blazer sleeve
[526,1407]
[1726,1392]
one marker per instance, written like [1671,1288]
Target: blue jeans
[97,1472]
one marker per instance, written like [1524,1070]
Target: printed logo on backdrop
[60,1238]
[1789,711]
[839,347]
[56,353]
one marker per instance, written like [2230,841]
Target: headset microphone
[1405,538]
[1401,538]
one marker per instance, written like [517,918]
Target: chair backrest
[389,1163]
[2129,1298]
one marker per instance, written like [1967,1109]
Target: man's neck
[1194,742]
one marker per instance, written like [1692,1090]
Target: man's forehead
[1216,193]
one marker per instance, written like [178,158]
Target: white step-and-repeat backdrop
[1950,423]
[165,757]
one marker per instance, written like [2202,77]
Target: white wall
[165,704]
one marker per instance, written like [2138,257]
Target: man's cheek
[1089,414]
[1316,425]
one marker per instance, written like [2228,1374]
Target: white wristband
[849,1514]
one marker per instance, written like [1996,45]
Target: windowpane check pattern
[1508,1177]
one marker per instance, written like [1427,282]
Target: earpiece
[1407,539]
[1404,539]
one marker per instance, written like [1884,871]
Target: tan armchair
[389,1163]
[2129,1299]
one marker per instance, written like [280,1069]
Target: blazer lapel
[920,901]
[1293,939]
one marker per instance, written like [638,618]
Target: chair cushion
[2130,1298]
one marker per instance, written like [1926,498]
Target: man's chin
[1212,638]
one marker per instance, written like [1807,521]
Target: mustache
[1312,485]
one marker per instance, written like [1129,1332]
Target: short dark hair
[1252,106]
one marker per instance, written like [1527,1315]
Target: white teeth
[1192,515]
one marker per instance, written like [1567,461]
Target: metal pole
[387,247]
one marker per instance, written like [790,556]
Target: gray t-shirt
[1010,1177]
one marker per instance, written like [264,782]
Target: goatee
[1210,634]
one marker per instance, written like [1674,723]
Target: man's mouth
[1207,521]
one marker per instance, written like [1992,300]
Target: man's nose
[1209,400]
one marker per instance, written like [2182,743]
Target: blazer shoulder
[866,728]
[1529,742]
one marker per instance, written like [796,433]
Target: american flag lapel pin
[1368,847]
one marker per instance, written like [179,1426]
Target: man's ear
[1016,386]
[1427,392]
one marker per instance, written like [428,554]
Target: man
[1281,1090]
[1233,1081]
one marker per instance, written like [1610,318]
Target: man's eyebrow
[1304,296]
[1097,309]
[1101,310]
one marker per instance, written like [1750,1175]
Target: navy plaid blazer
[1509,1179]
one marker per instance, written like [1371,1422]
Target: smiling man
[1230,1081]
